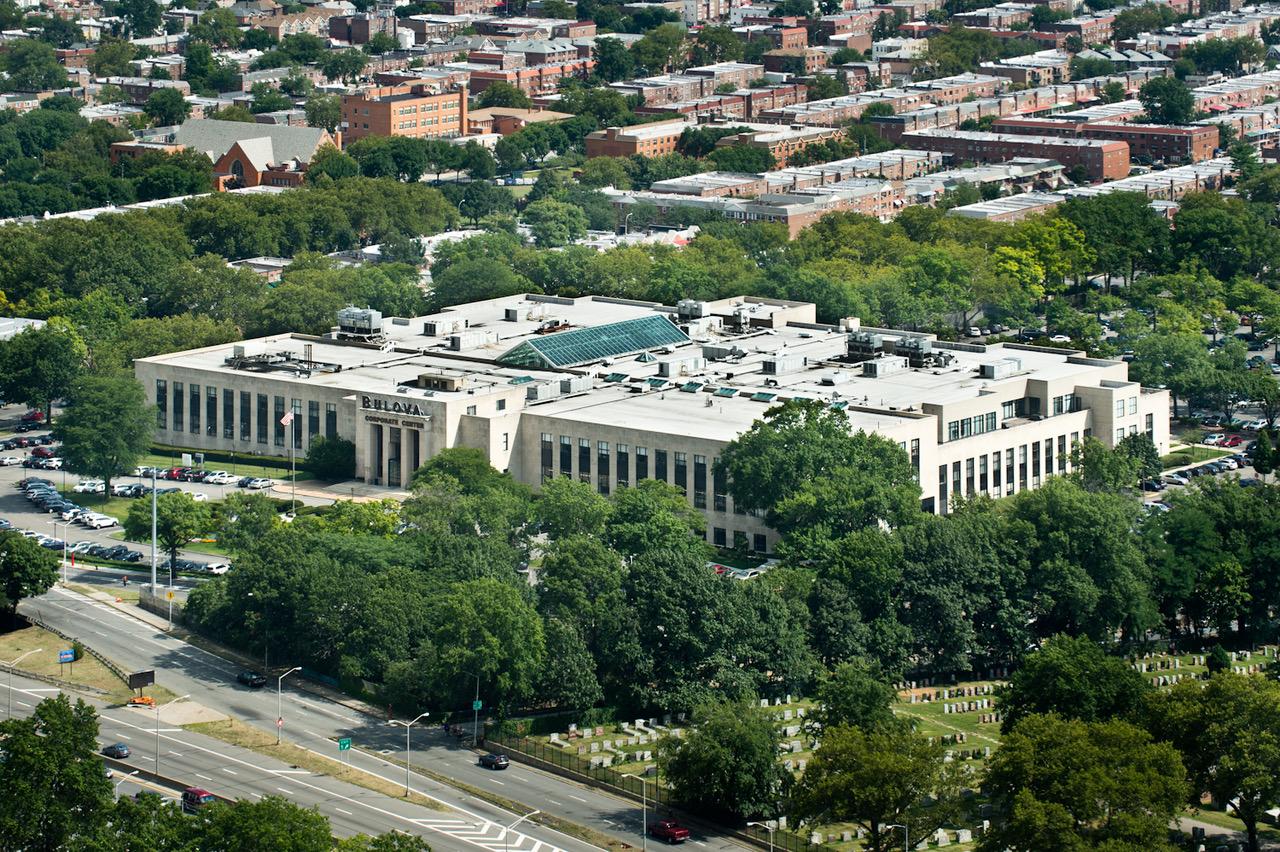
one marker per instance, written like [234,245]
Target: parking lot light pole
[505,829]
[153,532]
[66,528]
[408,726]
[124,779]
[158,709]
[9,665]
[280,700]
[767,826]
[644,812]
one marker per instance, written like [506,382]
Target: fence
[564,761]
[116,670]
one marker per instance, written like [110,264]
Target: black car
[253,680]
[119,751]
[494,761]
[99,550]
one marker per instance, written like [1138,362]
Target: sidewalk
[360,492]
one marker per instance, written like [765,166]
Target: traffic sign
[169,595]
[344,744]
[67,656]
[476,705]
[279,721]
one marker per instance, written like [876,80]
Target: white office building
[612,391]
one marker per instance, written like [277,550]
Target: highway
[315,723]
[238,773]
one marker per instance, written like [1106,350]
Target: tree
[1068,784]
[37,365]
[244,519]
[332,459]
[728,763]
[32,67]
[613,61]
[232,112]
[167,107]
[88,446]
[1099,468]
[481,198]
[555,223]
[179,519]
[748,159]
[55,789]
[1225,731]
[568,678]
[661,48]
[217,27]
[344,65]
[112,57]
[854,696]
[875,780]
[27,570]
[1075,679]
[267,98]
[142,16]
[270,823]
[605,171]
[1142,450]
[1113,92]
[500,94]
[324,111]
[1167,101]
[332,163]
[380,43]
[567,507]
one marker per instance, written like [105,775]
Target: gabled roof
[268,144]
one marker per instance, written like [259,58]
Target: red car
[669,830]
[1231,441]
[43,453]
[33,416]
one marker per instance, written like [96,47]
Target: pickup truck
[669,830]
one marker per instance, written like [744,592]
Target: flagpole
[287,421]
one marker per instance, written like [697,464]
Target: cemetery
[962,715]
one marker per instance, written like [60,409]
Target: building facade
[414,111]
[611,392]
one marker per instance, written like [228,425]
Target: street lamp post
[644,811]
[408,726]
[153,532]
[505,845]
[475,711]
[158,709]
[124,779]
[905,841]
[66,528]
[767,826]
[9,665]
[280,701]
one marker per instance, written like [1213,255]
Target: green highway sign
[344,744]
[476,705]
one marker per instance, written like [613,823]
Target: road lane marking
[205,777]
[175,753]
[229,771]
[554,802]
[283,790]
[577,798]
[343,811]
[496,781]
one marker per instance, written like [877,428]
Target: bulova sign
[395,406]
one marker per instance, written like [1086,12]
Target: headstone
[964,835]
[796,746]
[786,715]
[799,712]
[764,702]
[573,729]
[786,764]
[802,764]
[941,837]
[599,730]
[595,747]
[788,697]
[846,837]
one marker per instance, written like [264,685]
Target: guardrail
[116,670]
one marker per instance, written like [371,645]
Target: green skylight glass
[691,387]
[727,392]
[584,345]
[761,396]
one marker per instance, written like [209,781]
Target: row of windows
[1131,404]
[1003,470]
[428,122]
[428,107]
[183,411]
[977,425]
[622,464]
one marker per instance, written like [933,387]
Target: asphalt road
[314,723]
[238,773]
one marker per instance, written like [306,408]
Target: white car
[199,496]
[1176,479]
[1213,438]
[53,464]
[1060,338]
[220,477]
[1231,463]
[9,461]
[1256,425]
[81,546]
[259,483]
[90,486]
[100,522]
[220,568]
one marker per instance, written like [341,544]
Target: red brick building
[1102,160]
[1151,141]
[414,111]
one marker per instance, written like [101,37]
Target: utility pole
[644,814]
[153,532]
[408,726]
[280,701]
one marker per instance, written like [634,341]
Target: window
[277,426]
[193,410]
[1062,453]
[296,425]
[915,455]
[262,418]
[584,460]
[506,441]
[502,405]
[1119,408]
[178,413]
[1048,456]
[1022,468]
[942,488]
[995,472]
[682,473]
[642,463]
[210,410]
[330,420]
[718,537]
[1133,429]
[1035,462]
[1119,434]
[162,404]
[566,455]
[1133,405]
[760,544]
[1058,406]
[699,482]
[228,414]
[546,456]
[660,465]
[1008,471]
[1150,426]
[471,409]
[313,419]
[246,415]
[982,472]
[623,473]
[1007,410]
[602,465]
[968,476]
[719,487]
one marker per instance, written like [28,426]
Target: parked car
[219,477]
[117,750]
[217,568]
[1153,485]
[1213,438]
[1257,425]
[258,483]
[974,331]
[101,522]
[494,761]
[195,798]
[9,461]
[1176,479]
[1229,463]
[34,415]
[1231,441]
[251,679]
[90,486]
[669,830]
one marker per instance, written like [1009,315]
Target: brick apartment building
[414,111]
[138,89]
[1092,29]
[1101,159]
[801,61]
[1001,17]
[779,140]
[362,26]
[533,80]
[1149,141]
[852,29]
[644,140]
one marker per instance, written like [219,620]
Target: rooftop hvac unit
[778,365]
[359,322]
[688,309]
[1002,369]
[399,320]
[878,368]
[862,345]
[440,328]
[719,352]
[917,350]
[471,339]
[672,367]
[833,379]
[511,314]
[542,391]
[237,351]
[575,384]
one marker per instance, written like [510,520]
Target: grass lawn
[239,468]
[1193,454]
[1223,820]
[87,671]
[116,507]
[246,736]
